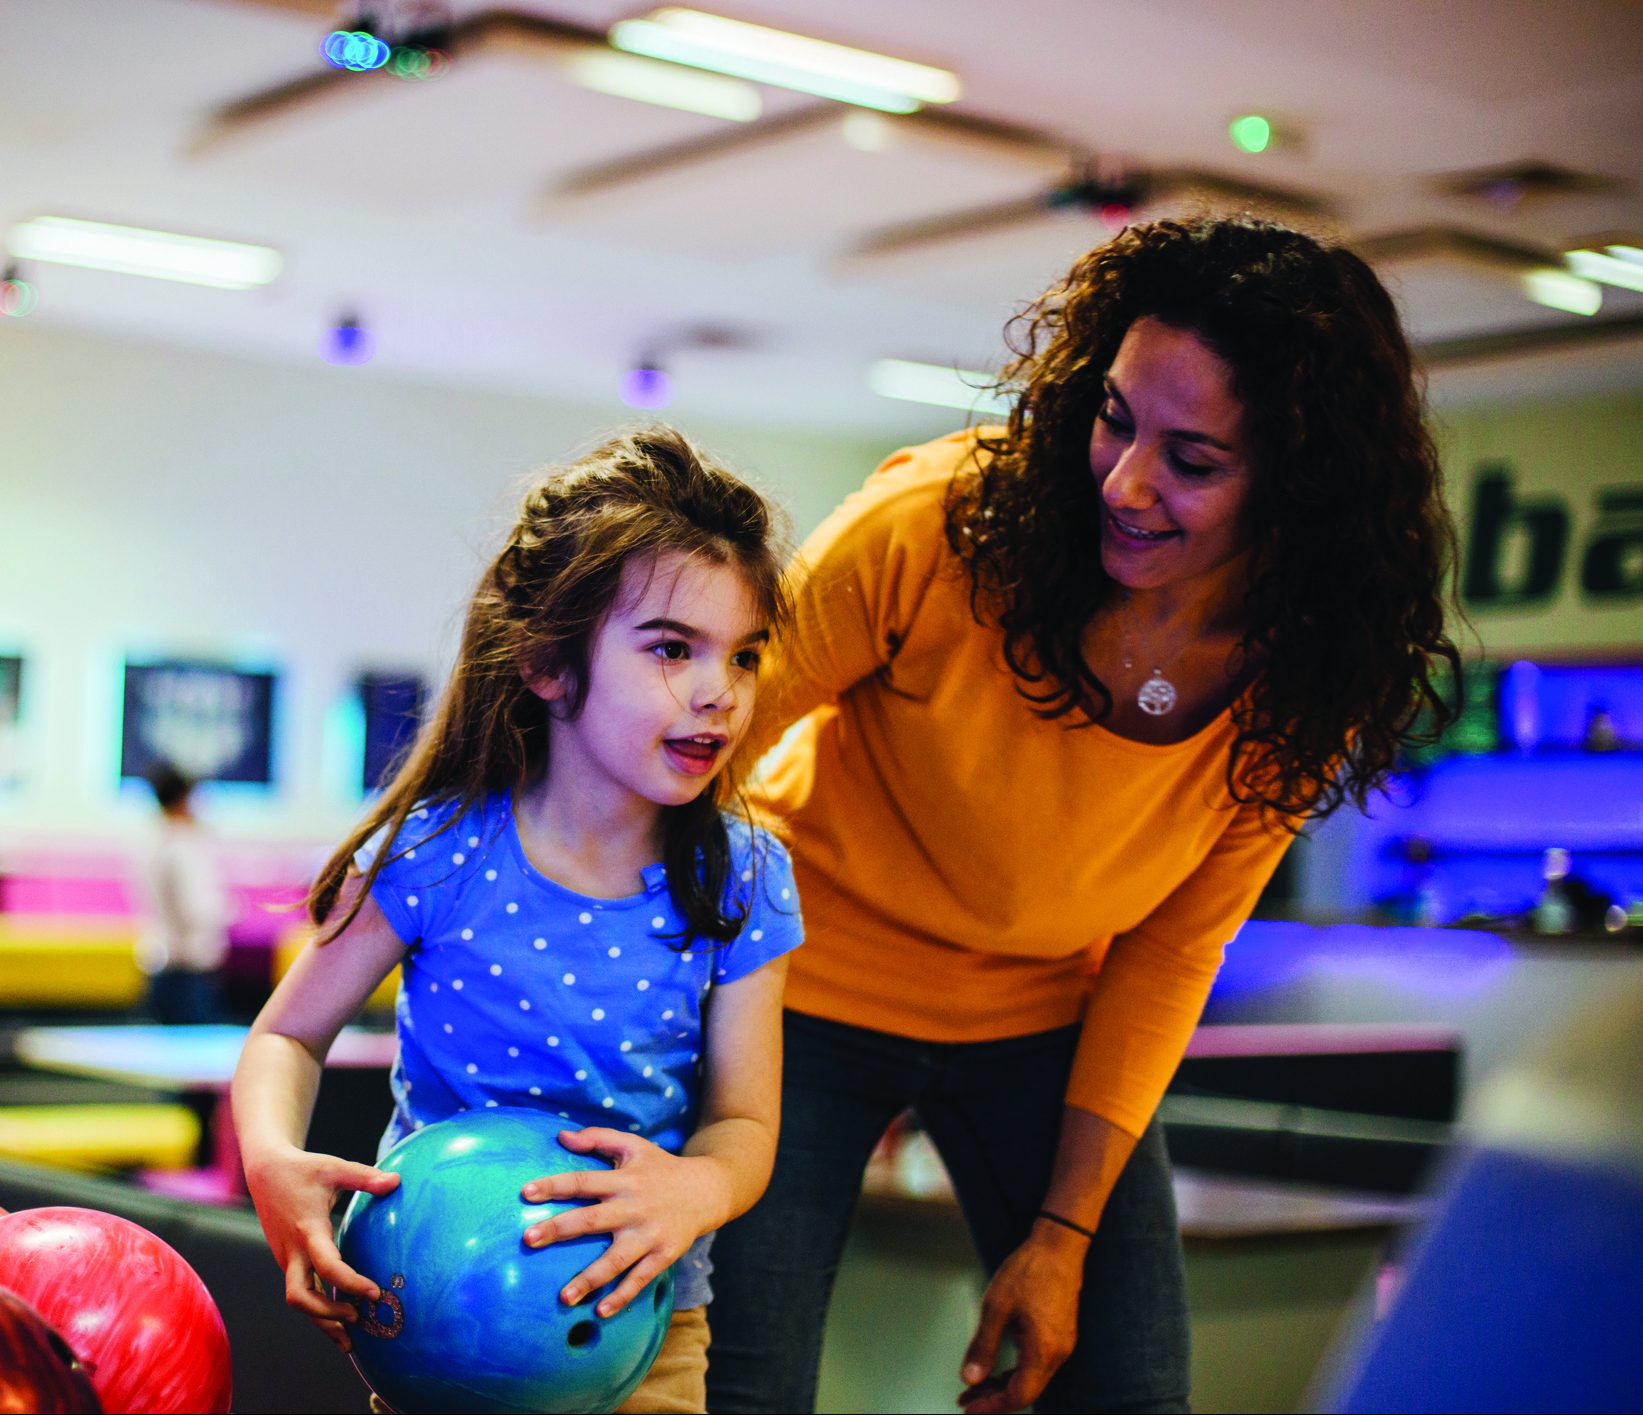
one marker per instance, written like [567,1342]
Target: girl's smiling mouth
[695,755]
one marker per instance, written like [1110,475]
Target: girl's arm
[654,1204]
[273,1101]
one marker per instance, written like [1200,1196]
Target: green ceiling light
[1250,133]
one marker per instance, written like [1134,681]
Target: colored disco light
[348,342]
[413,61]
[355,50]
[17,298]
[1250,133]
[646,386]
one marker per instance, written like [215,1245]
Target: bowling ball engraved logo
[369,1320]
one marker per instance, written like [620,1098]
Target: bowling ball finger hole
[582,1335]
[659,1296]
[65,1353]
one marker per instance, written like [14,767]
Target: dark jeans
[179,996]
[993,1110]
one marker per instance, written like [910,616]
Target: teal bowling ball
[470,1317]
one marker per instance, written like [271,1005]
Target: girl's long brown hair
[1353,548]
[536,611]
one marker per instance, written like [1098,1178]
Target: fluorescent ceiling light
[1559,290]
[1610,269]
[132,250]
[774,56]
[944,386]
[628,76]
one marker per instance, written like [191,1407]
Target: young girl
[581,927]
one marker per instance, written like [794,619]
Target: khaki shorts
[677,1383]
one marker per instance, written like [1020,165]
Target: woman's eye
[1188,468]
[1112,420]
[748,659]
[671,650]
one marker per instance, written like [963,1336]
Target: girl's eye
[671,650]
[748,659]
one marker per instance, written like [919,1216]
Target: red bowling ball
[38,1372]
[126,1303]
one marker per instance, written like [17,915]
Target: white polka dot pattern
[607,1032]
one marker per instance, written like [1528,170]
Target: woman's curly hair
[1352,547]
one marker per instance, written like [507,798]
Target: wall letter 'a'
[1613,565]
[1498,520]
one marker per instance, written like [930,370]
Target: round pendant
[1157,695]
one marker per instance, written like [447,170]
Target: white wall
[161,499]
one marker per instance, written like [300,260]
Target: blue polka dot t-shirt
[518,991]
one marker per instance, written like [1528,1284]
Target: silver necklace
[1157,695]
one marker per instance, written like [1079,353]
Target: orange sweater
[970,871]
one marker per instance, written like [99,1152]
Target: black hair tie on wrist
[1067,1223]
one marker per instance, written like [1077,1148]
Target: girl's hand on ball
[293,1191]
[652,1203]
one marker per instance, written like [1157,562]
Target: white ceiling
[431,209]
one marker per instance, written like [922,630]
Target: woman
[1067,688]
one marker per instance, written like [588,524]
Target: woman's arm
[655,1204]
[273,1094]
[1143,1006]
[1034,1294]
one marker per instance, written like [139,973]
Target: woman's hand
[653,1204]
[294,1191]
[1033,1298]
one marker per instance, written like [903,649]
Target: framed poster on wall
[11,720]
[393,704]
[212,721]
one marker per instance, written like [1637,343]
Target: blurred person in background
[186,910]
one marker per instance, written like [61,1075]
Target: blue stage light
[348,342]
[646,386]
[355,50]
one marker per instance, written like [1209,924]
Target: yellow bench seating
[51,961]
[147,1135]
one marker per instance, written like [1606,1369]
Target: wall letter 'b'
[1496,519]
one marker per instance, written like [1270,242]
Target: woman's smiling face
[1167,456]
